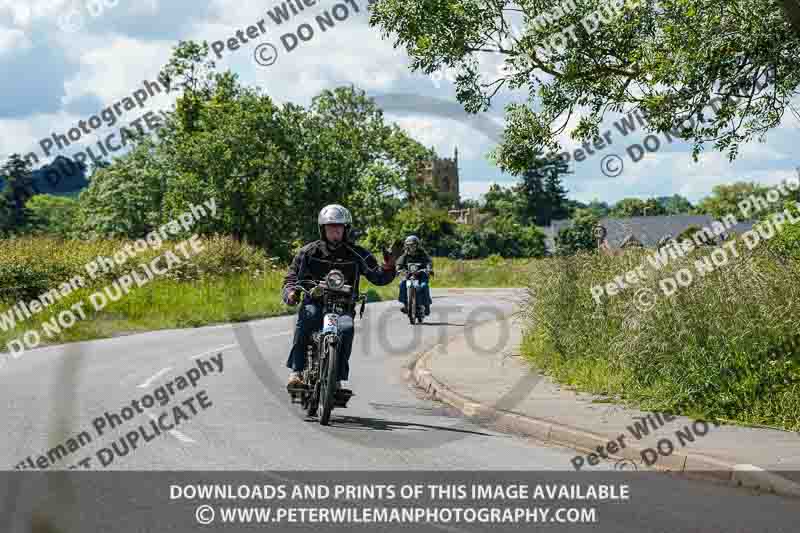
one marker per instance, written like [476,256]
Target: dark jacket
[419,257]
[314,261]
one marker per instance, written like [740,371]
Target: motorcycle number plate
[330,323]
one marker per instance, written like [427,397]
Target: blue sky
[64,60]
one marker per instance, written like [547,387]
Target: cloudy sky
[66,60]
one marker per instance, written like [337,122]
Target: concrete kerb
[692,465]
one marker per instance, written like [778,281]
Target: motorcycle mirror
[354,235]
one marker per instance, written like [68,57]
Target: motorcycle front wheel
[328,381]
[412,304]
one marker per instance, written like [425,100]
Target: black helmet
[412,242]
[334,214]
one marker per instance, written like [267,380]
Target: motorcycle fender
[330,324]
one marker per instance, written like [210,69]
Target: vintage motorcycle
[319,389]
[416,312]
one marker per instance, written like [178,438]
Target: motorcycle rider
[313,262]
[415,254]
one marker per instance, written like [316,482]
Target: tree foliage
[52,215]
[634,207]
[724,199]
[676,205]
[18,189]
[270,168]
[543,194]
[669,58]
[579,236]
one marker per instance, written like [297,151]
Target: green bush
[580,236]
[27,281]
[51,215]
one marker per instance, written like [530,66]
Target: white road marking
[155,377]
[747,467]
[215,350]
[279,334]
[174,432]
[229,346]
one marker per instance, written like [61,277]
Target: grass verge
[724,347]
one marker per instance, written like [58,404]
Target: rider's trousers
[423,293]
[309,320]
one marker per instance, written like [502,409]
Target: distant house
[649,231]
[642,231]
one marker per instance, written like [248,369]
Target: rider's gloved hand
[388,260]
[294,297]
[316,292]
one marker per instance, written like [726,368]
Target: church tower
[442,174]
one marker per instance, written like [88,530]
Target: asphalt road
[52,394]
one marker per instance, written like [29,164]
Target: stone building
[442,175]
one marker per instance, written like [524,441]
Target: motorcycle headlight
[334,280]
[413,268]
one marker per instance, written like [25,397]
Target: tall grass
[723,347]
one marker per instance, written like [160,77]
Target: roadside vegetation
[725,347]
[226,282]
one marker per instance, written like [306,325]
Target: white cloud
[116,69]
[115,53]
[12,41]
[444,135]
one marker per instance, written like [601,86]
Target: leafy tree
[18,189]
[598,208]
[189,71]
[124,199]
[670,58]
[428,224]
[52,215]
[538,199]
[579,236]
[500,200]
[270,168]
[533,193]
[634,207]
[675,205]
[725,198]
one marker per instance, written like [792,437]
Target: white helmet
[334,214]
